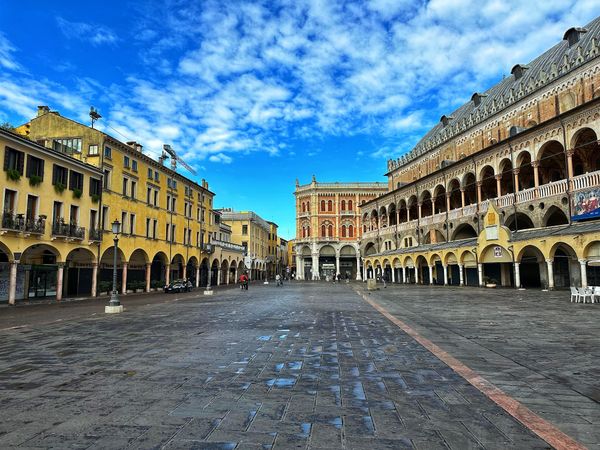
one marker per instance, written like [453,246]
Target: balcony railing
[586,180]
[23,224]
[67,230]
[526,195]
[95,235]
[228,245]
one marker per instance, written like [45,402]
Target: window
[95,187]
[126,161]
[148,195]
[156,177]
[108,152]
[155,198]
[303,207]
[133,189]
[343,230]
[245,230]
[74,215]
[13,160]
[154,226]
[350,231]
[35,167]
[349,205]
[323,231]
[173,233]
[329,205]
[149,173]
[167,234]
[93,220]
[69,146]
[343,205]
[125,182]
[60,175]
[330,230]
[123,221]
[106,179]
[134,165]
[93,150]
[75,181]
[147,227]
[173,204]
[322,205]
[132,224]
[10,201]
[56,212]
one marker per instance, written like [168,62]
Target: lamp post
[114,306]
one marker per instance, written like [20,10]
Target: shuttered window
[13,160]
[35,167]
[95,186]
[60,175]
[75,180]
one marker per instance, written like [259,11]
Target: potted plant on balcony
[35,180]
[77,193]
[59,188]
[95,198]
[13,174]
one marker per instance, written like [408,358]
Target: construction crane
[168,152]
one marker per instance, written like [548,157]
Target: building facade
[505,189]
[328,228]
[250,231]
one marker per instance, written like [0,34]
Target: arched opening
[488,183]
[348,266]
[469,262]
[409,270]
[392,216]
[426,204]
[233,272]
[452,269]
[78,272]
[470,188]
[322,205]
[383,222]
[565,266]
[586,152]
[402,211]
[329,205]
[555,216]
[552,162]
[350,230]
[374,220]
[438,270]
[349,205]
[439,202]
[592,255]
[158,270]
[507,180]
[455,197]
[413,210]
[106,270]
[204,272]
[343,205]
[327,268]
[423,268]
[190,272]
[214,272]
[497,265]
[525,177]
[370,249]
[464,231]
[306,263]
[177,264]
[433,237]
[532,268]
[223,274]
[136,270]
[518,221]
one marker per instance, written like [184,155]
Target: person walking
[278,280]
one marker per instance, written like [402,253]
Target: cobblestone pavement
[303,366]
[536,346]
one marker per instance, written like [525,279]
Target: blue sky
[257,94]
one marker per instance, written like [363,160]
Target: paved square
[309,365]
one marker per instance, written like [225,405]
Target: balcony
[67,230]
[94,235]
[21,224]
[345,212]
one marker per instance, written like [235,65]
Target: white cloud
[220,158]
[93,33]
[7,59]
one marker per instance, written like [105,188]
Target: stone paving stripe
[532,421]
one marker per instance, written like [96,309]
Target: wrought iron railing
[62,229]
[94,234]
[21,223]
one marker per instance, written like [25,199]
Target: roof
[525,79]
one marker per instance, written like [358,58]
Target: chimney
[42,110]
[137,147]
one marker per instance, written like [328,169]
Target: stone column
[184,276]
[124,279]
[430,274]
[403,274]
[198,275]
[479,183]
[517,275]
[416,274]
[570,172]
[218,277]
[299,263]
[461,279]
[148,271]
[419,206]
[358,276]
[393,274]
[516,178]
[315,266]
[59,281]
[583,267]
[407,214]
[94,291]
[168,273]
[445,267]
[448,194]
[498,185]
[462,197]
[210,275]
[12,283]
[536,176]
[337,264]
[549,263]
[480,273]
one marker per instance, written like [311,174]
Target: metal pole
[114,297]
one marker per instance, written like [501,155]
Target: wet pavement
[309,365]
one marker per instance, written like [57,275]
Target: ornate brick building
[506,187]
[328,227]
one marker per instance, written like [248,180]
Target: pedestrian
[278,280]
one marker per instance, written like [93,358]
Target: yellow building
[166,218]
[273,252]
[49,232]
[251,231]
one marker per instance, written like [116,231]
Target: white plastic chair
[596,295]
[586,293]
[574,295]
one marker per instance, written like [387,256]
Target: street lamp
[114,306]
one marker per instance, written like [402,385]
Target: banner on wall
[586,204]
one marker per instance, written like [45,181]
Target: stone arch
[370,249]
[402,211]
[525,170]
[532,267]
[79,272]
[565,265]
[426,203]
[464,231]
[383,217]
[374,220]
[136,269]
[139,255]
[434,236]
[455,195]
[224,272]
[42,254]
[450,258]
[518,221]
[412,205]
[392,215]
[552,163]
[158,269]
[555,216]
[507,180]
[5,254]
[190,271]
[586,151]
[439,199]
[469,185]
[177,264]
[488,182]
